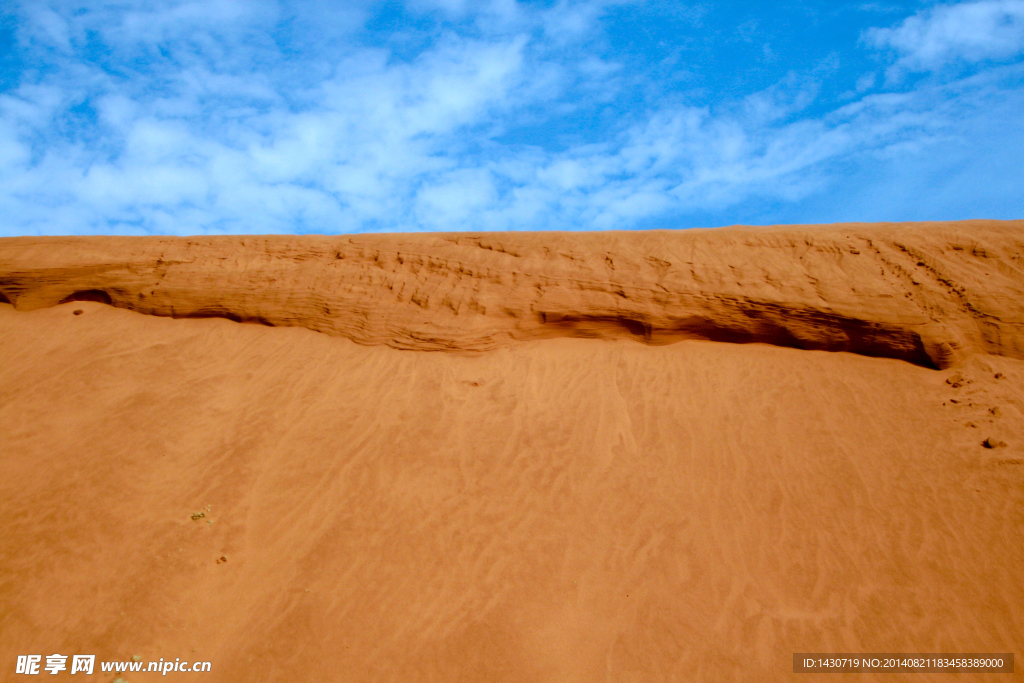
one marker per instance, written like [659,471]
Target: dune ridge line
[927,293]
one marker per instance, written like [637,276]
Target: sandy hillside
[649,456]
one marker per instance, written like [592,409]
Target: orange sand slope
[552,509]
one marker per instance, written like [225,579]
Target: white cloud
[573,20]
[970,31]
[458,197]
[176,24]
[202,123]
[866,82]
[47,27]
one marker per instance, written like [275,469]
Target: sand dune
[529,504]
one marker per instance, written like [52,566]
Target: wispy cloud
[225,116]
[970,31]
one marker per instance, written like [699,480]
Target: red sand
[550,508]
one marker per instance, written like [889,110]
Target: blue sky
[253,116]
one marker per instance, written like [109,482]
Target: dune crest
[927,293]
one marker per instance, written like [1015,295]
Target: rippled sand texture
[549,509]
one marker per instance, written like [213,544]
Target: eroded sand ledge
[927,293]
